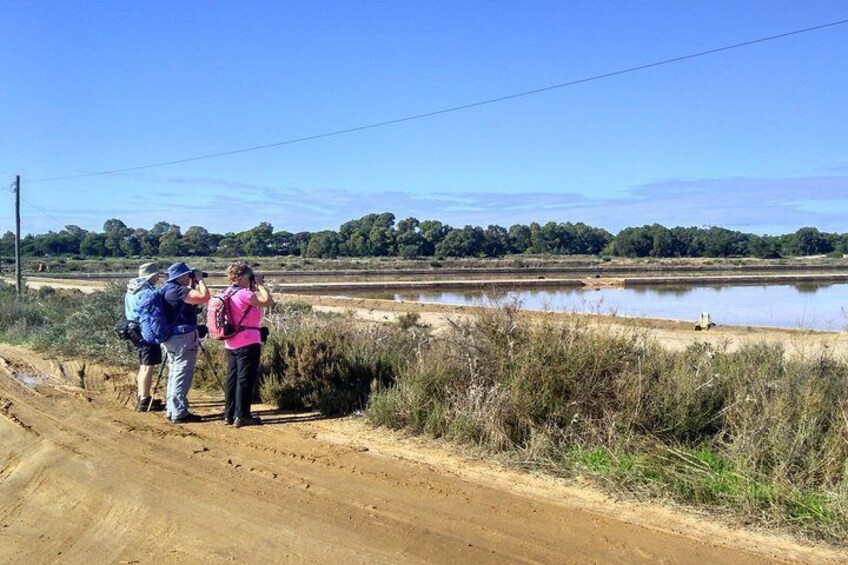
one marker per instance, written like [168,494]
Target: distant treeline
[379,235]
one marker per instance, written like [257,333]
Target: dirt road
[85,479]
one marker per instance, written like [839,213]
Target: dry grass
[330,362]
[755,431]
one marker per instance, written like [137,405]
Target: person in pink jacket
[249,295]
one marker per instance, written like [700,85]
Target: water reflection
[807,305]
[808,287]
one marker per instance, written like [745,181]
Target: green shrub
[330,363]
[69,322]
[755,429]
[408,320]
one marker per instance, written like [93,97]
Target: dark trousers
[242,374]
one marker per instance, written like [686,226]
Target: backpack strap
[243,316]
[178,311]
[246,312]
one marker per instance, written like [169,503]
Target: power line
[46,213]
[453,108]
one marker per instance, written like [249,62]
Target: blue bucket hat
[177,270]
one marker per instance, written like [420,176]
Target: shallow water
[812,306]
[26,379]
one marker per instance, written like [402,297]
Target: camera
[264,331]
[196,272]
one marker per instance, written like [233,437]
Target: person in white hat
[149,354]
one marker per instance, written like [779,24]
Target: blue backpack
[155,325]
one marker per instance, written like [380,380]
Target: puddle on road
[26,379]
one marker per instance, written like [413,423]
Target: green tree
[408,238]
[160,228]
[589,240]
[323,245]
[809,241]
[433,232]
[198,241]
[467,242]
[171,244]
[721,242]
[282,243]
[115,231]
[663,242]
[634,242]
[72,237]
[519,238]
[537,241]
[93,245]
[381,241]
[229,246]
[686,242]
[299,242]
[495,241]
[148,243]
[130,245]
[258,240]
[7,244]
[764,247]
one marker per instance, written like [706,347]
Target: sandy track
[83,478]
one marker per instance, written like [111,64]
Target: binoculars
[196,272]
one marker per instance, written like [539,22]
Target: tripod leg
[211,365]
[158,379]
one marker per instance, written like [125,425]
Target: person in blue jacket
[149,354]
[182,294]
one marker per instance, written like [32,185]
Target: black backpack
[128,330]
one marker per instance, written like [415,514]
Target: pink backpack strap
[236,289]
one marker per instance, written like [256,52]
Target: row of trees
[379,235]
[660,241]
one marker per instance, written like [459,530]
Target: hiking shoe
[228,421]
[247,421]
[187,419]
[155,406]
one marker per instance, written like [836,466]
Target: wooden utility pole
[19,280]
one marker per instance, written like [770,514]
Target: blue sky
[752,139]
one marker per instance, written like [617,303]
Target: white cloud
[760,205]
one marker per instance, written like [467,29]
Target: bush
[330,363]
[66,321]
[754,429]
[88,330]
[408,320]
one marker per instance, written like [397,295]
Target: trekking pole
[158,379]
[211,364]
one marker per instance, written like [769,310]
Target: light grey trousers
[182,357]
